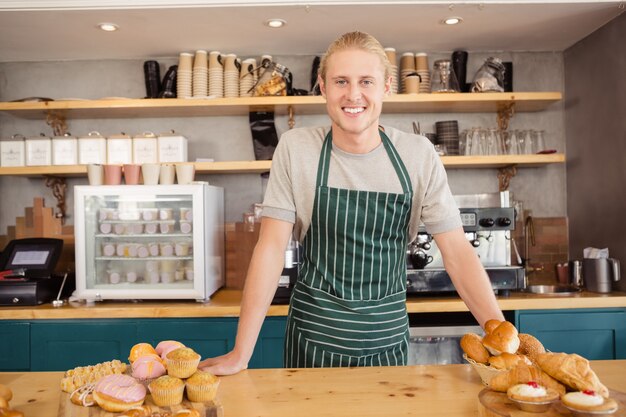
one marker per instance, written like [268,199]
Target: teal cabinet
[592,333]
[61,345]
[14,346]
[209,337]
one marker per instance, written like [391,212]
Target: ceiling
[66,30]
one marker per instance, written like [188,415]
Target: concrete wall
[228,138]
[595,109]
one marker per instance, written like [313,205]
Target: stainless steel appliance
[487,221]
[289,274]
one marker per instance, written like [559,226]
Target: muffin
[588,402]
[532,397]
[140,349]
[182,362]
[202,386]
[167,390]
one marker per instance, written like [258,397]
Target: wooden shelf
[398,103]
[258,167]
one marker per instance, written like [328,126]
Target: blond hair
[355,40]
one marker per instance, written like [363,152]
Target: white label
[92,151]
[64,152]
[145,150]
[172,149]
[38,152]
[119,151]
[12,154]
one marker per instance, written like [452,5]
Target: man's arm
[468,275]
[262,278]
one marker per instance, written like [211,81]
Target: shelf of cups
[259,167]
[199,107]
[145,235]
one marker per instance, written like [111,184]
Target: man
[354,196]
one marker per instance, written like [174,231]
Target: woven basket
[485,372]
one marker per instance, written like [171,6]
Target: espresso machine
[488,221]
[289,275]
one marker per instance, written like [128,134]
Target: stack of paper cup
[184,75]
[407,66]
[391,56]
[246,77]
[231,76]
[421,66]
[216,75]
[200,74]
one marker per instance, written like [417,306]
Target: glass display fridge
[149,241]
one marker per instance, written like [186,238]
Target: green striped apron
[348,307]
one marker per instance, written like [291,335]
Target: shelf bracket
[58,185]
[56,120]
[505,113]
[504,177]
[292,120]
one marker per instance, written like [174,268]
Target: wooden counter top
[423,390]
[225,303]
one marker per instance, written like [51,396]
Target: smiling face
[354,88]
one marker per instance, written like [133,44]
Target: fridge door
[148,242]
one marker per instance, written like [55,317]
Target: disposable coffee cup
[95,174]
[412,84]
[185,173]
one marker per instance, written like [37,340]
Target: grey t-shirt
[291,188]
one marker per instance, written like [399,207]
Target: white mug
[185,173]
[150,173]
[167,174]
[95,174]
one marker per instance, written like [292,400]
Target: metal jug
[599,274]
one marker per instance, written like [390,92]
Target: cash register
[27,275]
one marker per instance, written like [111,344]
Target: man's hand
[228,364]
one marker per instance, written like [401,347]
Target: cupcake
[532,397]
[140,349]
[202,386]
[588,401]
[148,367]
[166,346]
[182,362]
[167,390]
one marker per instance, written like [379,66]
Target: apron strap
[401,171]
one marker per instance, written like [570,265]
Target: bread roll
[490,325]
[507,360]
[5,412]
[530,346]
[572,370]
[5,392]
[522,374]
[502,339]
[4,403]
[473,347]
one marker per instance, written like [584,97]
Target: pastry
[530,346]
[532,396]
[202,386]
[79,376]
[167,390]
[187,412]
[490,325]
[507,360]
[531,391]
[117,393]
[4,403]
[166,346]
[588,401]
[141,411]
[502,339]
[521,374]
[147,367]
[140,349]
[572,370]
[5,392]
[473,347]
[182,362]
[83,396]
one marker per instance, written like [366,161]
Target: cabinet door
[592,333]
[14,346]
[62,345]
[268,352]
[207,336]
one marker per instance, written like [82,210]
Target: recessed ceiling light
[108,27]
[275,23]
[452,20]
